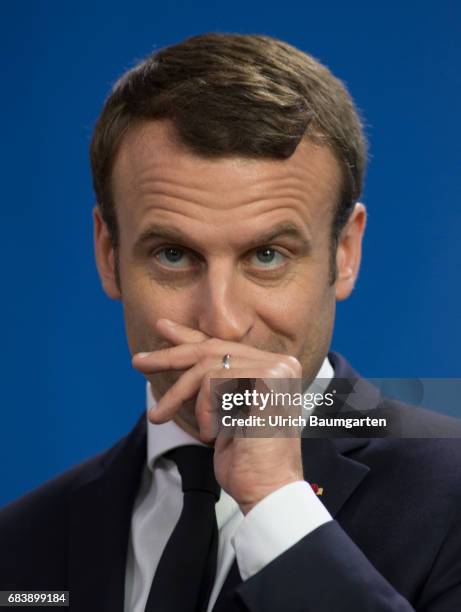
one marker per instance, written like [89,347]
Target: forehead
[153,170]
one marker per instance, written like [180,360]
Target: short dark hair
[234,94]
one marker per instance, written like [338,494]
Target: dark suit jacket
[395,543]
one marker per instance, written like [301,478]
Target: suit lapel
[100,515]
[325,460]
[325,464]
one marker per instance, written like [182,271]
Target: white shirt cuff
[275,524]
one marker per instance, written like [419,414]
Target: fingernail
[142,355]
[170,323]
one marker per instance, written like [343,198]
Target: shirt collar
[163,437]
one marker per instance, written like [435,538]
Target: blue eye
[172,257]
[267,258]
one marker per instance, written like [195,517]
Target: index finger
[179,334]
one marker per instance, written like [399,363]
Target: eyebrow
[285,229]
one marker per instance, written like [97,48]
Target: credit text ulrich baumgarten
[270,400]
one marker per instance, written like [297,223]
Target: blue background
[68,389]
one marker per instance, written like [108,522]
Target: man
[227,171]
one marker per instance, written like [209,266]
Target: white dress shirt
[275,524]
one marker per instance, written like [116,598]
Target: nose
[223,308]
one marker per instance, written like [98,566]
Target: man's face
[237,248]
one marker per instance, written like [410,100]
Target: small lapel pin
[317,490]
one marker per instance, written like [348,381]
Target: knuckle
[208,362]
[286,369]
[199,350]
[207,377]
[212,345]
[294,365]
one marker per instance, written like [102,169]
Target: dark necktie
[186,571]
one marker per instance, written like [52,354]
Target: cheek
[317,330]
[303,314]
[140,308]
[144,302]
[302,303]
[292,324]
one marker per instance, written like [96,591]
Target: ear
[349,252]
[105,256]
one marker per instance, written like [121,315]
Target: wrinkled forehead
[153,170]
